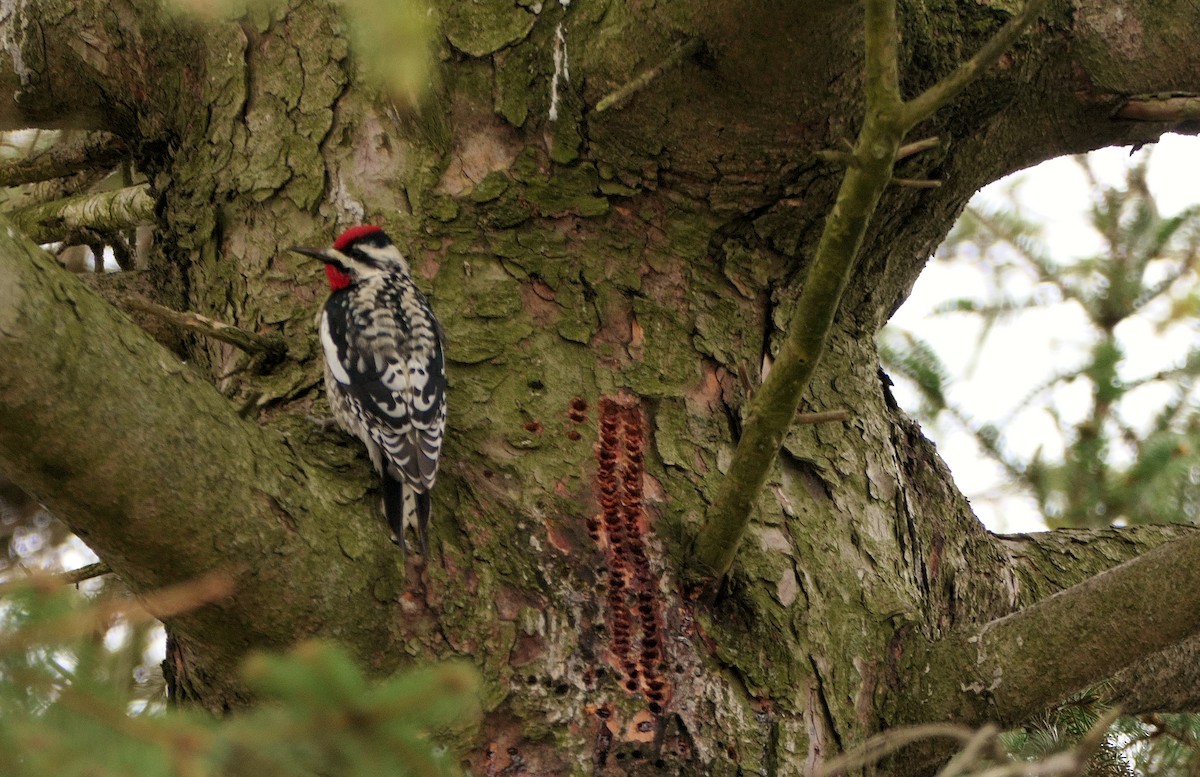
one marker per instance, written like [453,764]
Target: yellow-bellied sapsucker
[384,370]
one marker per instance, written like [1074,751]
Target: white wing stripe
[331,353]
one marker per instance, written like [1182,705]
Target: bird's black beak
[315,253]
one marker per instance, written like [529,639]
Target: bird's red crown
[354,233]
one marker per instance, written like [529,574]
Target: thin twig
[917,146]
[969,756]
[271,346]
[888,742]
[77,576]
[917,183]
[643,79]
[161,605]
[923,105]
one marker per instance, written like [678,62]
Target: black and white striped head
[358,253]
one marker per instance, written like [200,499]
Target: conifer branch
[772,411]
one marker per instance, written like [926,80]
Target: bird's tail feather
[404,507]
[393,508]
[424,509]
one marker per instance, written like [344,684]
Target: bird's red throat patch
[338,280]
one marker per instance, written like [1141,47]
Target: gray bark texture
[612,284]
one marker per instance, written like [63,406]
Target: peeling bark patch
[634,611]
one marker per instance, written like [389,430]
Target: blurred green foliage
[66,706]
[1115,467]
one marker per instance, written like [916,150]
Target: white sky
[1022,352]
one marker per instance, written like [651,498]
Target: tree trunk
[612,283]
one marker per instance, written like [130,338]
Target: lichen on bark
[638,263]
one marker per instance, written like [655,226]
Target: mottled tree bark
[612,284]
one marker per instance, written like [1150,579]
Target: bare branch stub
[917,146]
[826,417]
[1170,108]
[916,183]
[77,576]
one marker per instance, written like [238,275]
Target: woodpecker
[384,370]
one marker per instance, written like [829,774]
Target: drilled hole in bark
[633,607]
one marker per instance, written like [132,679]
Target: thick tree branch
[774,406]
[1167,681]
[1044,563]
[154,469]
[87,151]
[104,212]
[1068,641]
